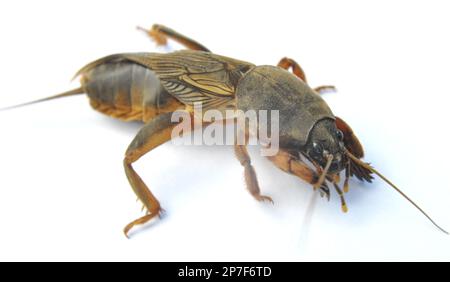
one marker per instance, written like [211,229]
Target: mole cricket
[314,144]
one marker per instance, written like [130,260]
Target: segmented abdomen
[127,91]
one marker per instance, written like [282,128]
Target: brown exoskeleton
[149,87]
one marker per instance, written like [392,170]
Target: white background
[63,192]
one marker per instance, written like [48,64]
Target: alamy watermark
[229,127]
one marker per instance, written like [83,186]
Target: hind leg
[153,134]
[287,63]
[160,34]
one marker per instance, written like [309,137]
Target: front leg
[288,163]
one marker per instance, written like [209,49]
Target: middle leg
[249,173]
[287,63]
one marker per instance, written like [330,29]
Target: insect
[315,145]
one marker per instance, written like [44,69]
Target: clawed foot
[325,89]
[262,198]
[141,220]
[160,39]
[324,191]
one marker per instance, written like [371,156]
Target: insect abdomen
[127,91]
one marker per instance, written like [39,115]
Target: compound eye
[340,135]
[317,148]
